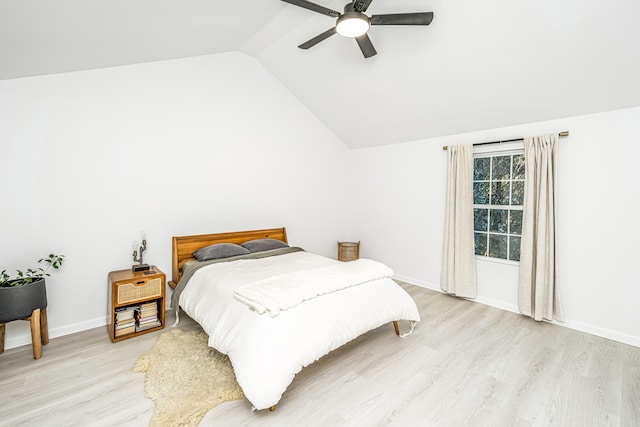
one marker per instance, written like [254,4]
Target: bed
[268,345]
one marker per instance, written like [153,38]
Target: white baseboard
[497,304]
[601,332]
[417,282]
[571,324]
[25,339]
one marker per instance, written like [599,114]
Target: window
[498,196]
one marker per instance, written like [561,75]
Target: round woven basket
[348,251]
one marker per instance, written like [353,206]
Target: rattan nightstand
[139,296]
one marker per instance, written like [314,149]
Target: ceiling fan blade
[317,39]
[366,46]
[315,7]
[417,18]
[361,5]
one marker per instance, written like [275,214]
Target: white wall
[399,216]
[206,144]
[214,143]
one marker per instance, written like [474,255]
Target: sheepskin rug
[185,378]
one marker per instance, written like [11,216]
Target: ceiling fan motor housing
[352,23]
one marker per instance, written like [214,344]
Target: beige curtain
[538,283]
[458,274]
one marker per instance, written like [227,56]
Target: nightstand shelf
[136,296]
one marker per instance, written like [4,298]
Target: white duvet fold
[274,294]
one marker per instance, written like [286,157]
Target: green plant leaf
[31,274]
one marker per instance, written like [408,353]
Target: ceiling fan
[354,23]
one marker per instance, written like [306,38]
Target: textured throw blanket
[277,293]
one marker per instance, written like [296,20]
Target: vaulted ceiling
[479,65]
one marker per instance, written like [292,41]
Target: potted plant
[20,295]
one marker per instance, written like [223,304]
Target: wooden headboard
[184,246]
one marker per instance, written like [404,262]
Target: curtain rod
[563,133]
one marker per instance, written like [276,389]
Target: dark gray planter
[19,302]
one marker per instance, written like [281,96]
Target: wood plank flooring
[465,364]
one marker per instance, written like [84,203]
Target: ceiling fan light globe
[352,25]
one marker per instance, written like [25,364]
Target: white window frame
[495,150]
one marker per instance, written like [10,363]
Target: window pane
[500,193]
[497,246]
[498,222]
[501,168]
[480,219]
[518,166]
[481,243]
[498,182]
[514,248]
[481,168]
[517,193]
[515,225]
[480,193]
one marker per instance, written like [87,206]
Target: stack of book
[125,322]
[147,316]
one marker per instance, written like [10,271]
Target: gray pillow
[219,250]
[260,245]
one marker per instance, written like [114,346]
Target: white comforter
[267,352]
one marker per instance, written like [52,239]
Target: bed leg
[273,408]
[395,326]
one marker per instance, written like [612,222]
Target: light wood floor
[465,364]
